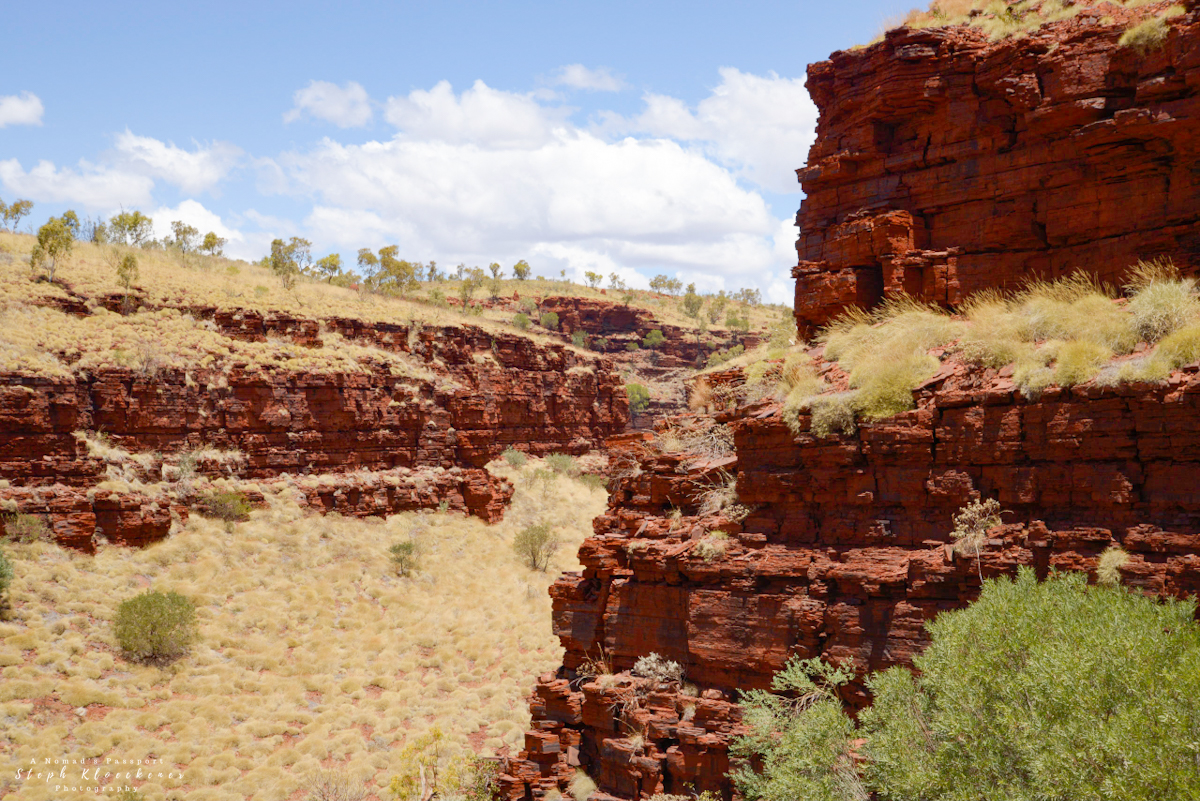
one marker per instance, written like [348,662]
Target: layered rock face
[845,552]
[946,163]
[481,393]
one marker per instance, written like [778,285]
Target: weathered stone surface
[945,163]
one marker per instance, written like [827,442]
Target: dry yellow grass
[312,653]
[1001,19]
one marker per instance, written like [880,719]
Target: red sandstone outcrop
[845,553]
[480,394]
[946,163]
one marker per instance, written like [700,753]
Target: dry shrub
[332,785]
[712,546]
[715,494]
[1162,301]
[656,668]
[535,545]
[581,786]
[701,396]
[1108,569]
[26,528]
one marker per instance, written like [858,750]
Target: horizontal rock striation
[946,163]
[845,552]
[474,395]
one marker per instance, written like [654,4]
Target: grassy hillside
[1003,19]
[313,653]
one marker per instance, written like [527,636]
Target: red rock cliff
[946,163]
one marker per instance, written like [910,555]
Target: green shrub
[155,626]
[521,320]
[1079,361]
[1038,690]
[550,320]
[231,506]
[515,458]
[26,528]
[1147,35]
[535,545]
[1162,301]
[404,557]
[599,344]
[594,481]
[639,398]
[563,464]
[6,578]
[653,339]
[579,339]
[632,347]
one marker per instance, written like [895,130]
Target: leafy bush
[521,320]
[25,528]
[231,506]
[653,339]
[549,320]
[404,557]
[594,481]
[632,347]
[563,464]
[600,344]
[639,398]
[514,457]
[535,545]
[1038,690]
[155,626]
[428,769]
[579,339]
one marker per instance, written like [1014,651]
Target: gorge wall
[479,394]
[946,163]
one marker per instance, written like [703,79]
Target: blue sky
[640,138]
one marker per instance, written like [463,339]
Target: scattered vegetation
[6,577]
[25,528]
[1151,33]
[1000,20]
[155,626]
[514,457]
[712,546]
[535,544]
[656,668]
[563,464]
[229,506]
[1047,689]
[404,557]
[334,785]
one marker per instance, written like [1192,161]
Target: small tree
[521,270]
[716,307]
[184,236]
[15,211]
[368,265]
[155,626]
[54,244]
[404,557]
[127,273]
[639,398]
[6,578]
[289,261]
[131,228]
[71,220]
[497,270]
[535,545]
[550,320]
[593,279]
[692,302]
[472,280]
[213,245]
[615,282]
[653,339]
[329,267]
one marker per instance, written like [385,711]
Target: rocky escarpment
[471,395]
[844,552]
[946,163]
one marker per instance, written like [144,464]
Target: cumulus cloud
[760,126]
[345,106]
[192,171]
[481,115]
[23,109]
[578,76]
[96,188]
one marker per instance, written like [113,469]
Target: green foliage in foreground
[1039,690]
[155,625]
[639,398]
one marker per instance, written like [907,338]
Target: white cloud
[481,115]
[96,188]
[192,171]
[760,126]
[345,106]
[23,109]
[578,76]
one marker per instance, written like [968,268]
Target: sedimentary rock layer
[846,553]
[946,163]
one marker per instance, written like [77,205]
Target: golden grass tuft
[1108,568]
[311,653]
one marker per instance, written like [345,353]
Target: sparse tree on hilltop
[615,282]
[213,245]
[14,212]
[692,302]
[71,220]
[497,270]
[593,279]
[290,260]
[368,264]
[184,237]
[521,270]
[395,275]
[53,247]
[131,228]
[329,267]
